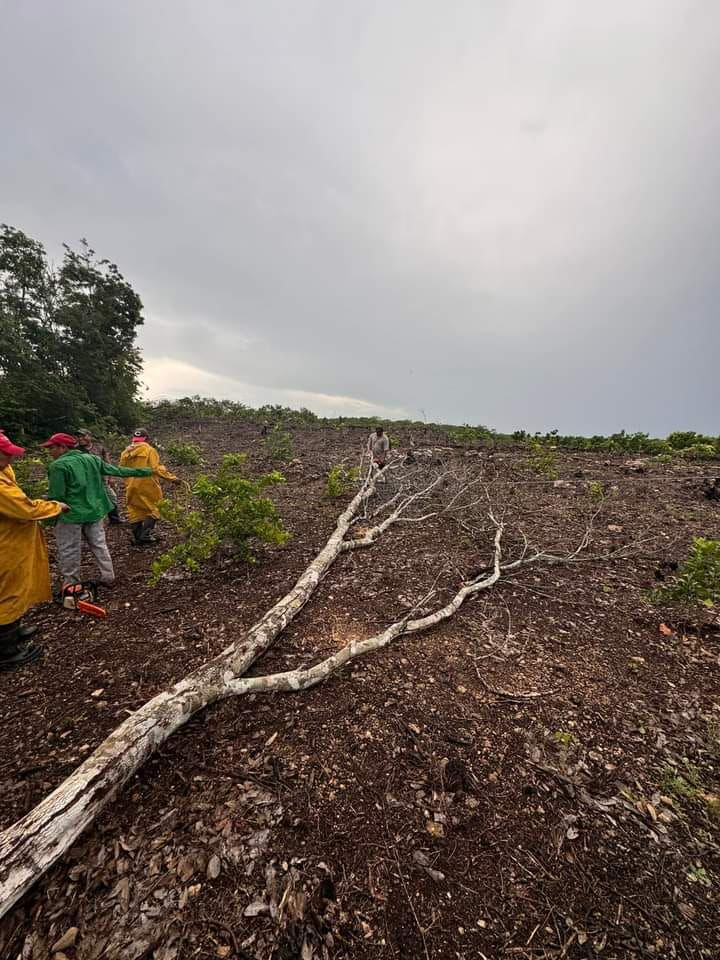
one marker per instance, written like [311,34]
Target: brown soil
[538,777]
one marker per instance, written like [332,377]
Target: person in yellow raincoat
[143,494]
[24,568]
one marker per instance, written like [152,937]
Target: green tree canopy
[67,339]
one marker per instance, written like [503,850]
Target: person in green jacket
[81,478]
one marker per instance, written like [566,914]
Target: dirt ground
[537,777]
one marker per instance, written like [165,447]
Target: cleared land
[538,777]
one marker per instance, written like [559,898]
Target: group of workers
[81,494]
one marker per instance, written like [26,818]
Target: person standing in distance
[378,447]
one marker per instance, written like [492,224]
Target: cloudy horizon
[503,213]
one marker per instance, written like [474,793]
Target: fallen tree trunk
[39,839]
[34,843]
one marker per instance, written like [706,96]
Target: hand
[64,508]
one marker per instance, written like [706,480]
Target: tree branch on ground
[34,843]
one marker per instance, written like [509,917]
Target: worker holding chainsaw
[24,569]
[143,496]
[79,480]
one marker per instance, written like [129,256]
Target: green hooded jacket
[76,479]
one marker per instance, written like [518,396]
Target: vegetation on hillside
[686,443]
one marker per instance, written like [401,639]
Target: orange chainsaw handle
[90,609]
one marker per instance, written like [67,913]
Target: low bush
[341,479]
[231,508]
[184,454]
[682,439]
[542,460]
[698,579]
[699,451]
[597,491]
[278,445]
[31,476]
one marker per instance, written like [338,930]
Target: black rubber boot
[137,531]
[148,525]
[114,516]
[12,652]
[24,633]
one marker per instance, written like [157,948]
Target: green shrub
[114,442]
[597,491]
[231,508]
[462,436]
[278,445]
[340,480]
[698,579]
[682,439]
[542,460]
[31,476]
[699,451]
[185,454]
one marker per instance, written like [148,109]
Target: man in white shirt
[378,447]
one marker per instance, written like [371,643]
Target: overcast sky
[489,212]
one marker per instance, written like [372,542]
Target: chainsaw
[82,597]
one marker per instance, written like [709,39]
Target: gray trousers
[69,537]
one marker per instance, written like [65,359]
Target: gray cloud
[503,213]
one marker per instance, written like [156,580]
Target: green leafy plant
[185,454]
[114,442]
[467,436]
[698,579]
[231,508]
[698,874]
[676,784]
[682,439]
[699,451]
[597,491]
[31,476]
[278,444]
[340,480]
[542,460]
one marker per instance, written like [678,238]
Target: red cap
[9,449]
[60,440]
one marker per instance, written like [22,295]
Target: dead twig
[508,695]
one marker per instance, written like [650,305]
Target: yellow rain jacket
[142,494]
[24,569]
